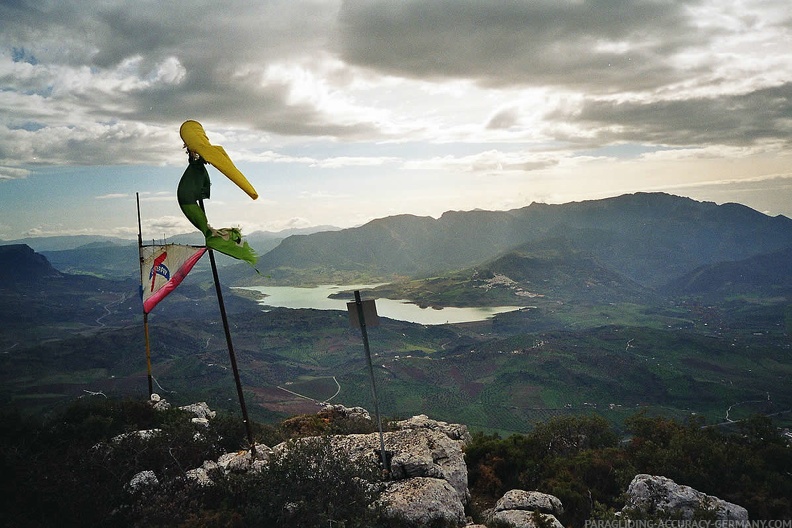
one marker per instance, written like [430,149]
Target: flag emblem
[167,266]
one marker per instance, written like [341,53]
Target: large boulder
[658,496]
[526,509]
[244,461]
[523,519]
[518,499]
[159,403]
[201,411]
[458,432]
[142,480]
[413,453]
[349,412]
[422,501]
[427,477]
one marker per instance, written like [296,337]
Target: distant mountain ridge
[642,240]
[19,264]
[69,242]
[117,258]
[651,238]
[768,274]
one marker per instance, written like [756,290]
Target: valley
[590,335]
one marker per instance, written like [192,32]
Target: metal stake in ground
[362,322]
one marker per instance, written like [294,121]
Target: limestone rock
[242,461]
[349,412]
[518,499]
[422,501]
[158,402]
[144,479]
[415,453]
[199,475]
[521,519]
[656,495]
[457,432]
[200,410]
[143,434]
[428,471]
[204,422]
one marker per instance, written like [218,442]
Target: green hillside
[591,336]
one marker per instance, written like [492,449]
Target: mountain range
[649,238]
[646,300]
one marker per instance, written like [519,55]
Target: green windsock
[193,187]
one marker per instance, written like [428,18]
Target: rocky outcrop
[523,519]
[658,496]
[427,478]
[458,432]
[413,453]
[201,411]
[144,479]
[243,461]
[518,499]
[427,481]
[349,412]
[522,509]
[159,403]
[422,501]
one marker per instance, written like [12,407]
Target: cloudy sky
[343,111]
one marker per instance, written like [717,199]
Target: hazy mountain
[555,268]
[58,243]
[261,241]
[536,273]
[767,275]
[650,238]
[117,258]
[38,302]
[19,265]
[594,333]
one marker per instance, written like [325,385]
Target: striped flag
[163,268]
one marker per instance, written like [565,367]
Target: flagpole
[364,332]
[231,353]
[145,315]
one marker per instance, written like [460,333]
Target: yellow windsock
[194,136]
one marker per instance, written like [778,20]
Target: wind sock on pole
[193,189]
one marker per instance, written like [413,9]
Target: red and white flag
[163,268]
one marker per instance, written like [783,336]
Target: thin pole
[362,319]
[231,353]
[145,315]
[148,354]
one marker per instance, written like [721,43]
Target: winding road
[319,402]
[123,297]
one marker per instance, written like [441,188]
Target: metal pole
[362,319]
[231,353]
[148,354]
[145,315]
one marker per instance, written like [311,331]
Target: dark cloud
[79,77]
[745,119]
[600,45]
[222,48]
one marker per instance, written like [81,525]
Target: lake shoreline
[335,297]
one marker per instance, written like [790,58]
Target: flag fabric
[194,137]
[163,268]
[194,186]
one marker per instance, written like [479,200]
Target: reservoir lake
[318,298]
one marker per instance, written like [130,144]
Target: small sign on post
[361,315]
[369,313]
